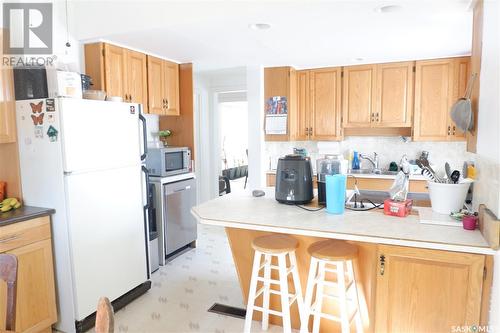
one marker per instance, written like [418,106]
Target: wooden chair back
[105,319]
[8,273]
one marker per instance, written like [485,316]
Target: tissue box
[397,208]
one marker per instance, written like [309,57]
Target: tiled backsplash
[389,149]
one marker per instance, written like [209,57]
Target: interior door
[156,95]
[89,143]
[358,95]
[137,78]
[116,71]
[325,104]
[394,95]
[107,234]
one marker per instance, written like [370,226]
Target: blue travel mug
[335,193]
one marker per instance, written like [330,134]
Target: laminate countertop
[24,213]
[242,210]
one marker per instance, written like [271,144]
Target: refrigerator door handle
[144,134]
[148,185]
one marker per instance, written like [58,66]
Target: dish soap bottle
[355,161]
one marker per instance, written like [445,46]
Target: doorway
[233,141]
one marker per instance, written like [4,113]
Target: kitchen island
[435,276]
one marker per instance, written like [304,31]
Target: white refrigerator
[84,159]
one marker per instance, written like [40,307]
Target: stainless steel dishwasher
[180,224]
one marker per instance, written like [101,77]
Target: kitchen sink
[371,172]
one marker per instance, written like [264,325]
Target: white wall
[255,96]
[487,187]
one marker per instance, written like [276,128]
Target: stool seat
[333,250]
[275,243]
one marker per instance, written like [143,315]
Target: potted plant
[164,135]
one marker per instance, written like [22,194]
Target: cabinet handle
[376,115]
[166,103]
[130,98]
[7,239]
[449,130]
[453,130]
[382,264]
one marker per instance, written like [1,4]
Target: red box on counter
[397,208]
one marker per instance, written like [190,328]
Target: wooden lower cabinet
[420,290]
[36,303]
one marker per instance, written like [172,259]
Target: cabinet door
[36,304]
[156,97]
[394,95]
[137,78]
[421,290]
[359,95]
[7,107]
[115,67]
[303,106]
[461,76]
[325,114]
[433,92]
[171,88]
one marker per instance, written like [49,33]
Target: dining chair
[105,319]
[8,273]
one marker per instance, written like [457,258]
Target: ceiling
[312,33]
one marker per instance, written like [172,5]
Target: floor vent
[227,310]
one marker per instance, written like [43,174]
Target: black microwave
[30,83]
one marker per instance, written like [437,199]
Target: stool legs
[267,293]
[357,316]
[346,294]
[252,291]
[286,298]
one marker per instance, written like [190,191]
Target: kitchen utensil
[461,111]
[447,168]
[464,170]
[424,163]
[294,180]
[329,165]
[455,176]
[428,175]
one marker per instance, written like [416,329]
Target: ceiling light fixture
[388,9]
[259,26]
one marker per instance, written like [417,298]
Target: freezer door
[107,235]
[180,229]
[99,135]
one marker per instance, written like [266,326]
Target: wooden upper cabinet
[394,102]
[171,88]
[437,86]
[462,75]
[281,81]
[137,77]
[358,95]
[325,100]
[163,87]
[303,106]
[7,106]
[420,290]
[115,70]
[156,98]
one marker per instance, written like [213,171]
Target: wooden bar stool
[270,246]
[336,257]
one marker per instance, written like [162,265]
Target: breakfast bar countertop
[24,213]
[242,210]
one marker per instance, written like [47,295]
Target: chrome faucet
[373,161]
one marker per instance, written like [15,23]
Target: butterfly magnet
[37,114]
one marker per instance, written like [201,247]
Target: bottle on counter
[355,161]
